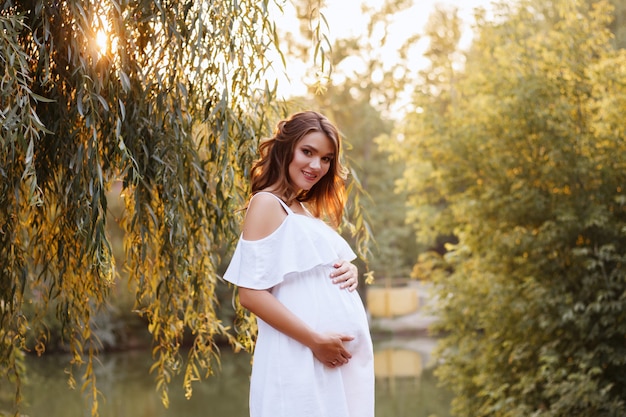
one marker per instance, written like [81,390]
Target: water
[405,386]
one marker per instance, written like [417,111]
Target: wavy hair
[327,197]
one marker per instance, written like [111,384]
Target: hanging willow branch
[166,98]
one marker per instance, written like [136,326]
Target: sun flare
[102,40]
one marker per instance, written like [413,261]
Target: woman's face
[311,160]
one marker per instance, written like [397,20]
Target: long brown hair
[327,196]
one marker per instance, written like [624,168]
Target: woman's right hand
[329,349]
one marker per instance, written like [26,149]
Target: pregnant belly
[324,306]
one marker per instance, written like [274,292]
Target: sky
[346,19]
[416,17]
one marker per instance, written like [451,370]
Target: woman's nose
[315,163]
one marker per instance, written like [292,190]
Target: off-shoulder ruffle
[299,244]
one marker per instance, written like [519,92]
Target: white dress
[295,262]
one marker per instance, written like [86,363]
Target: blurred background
[487,157]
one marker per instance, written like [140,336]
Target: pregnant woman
[313,356]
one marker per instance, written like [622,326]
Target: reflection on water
[129,390]
[405,386]
[397,363]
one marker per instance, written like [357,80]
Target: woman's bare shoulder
[265,214]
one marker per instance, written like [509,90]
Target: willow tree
[522,156]
[166,98]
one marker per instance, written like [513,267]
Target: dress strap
[282,203]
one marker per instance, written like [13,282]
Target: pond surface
[405,386]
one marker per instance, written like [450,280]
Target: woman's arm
[263,216]
[328,348]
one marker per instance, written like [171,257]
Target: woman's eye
[306,152]
[326,159]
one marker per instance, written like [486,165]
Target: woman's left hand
[346,275]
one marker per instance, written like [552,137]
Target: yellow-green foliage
[522,156]
[169,108]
